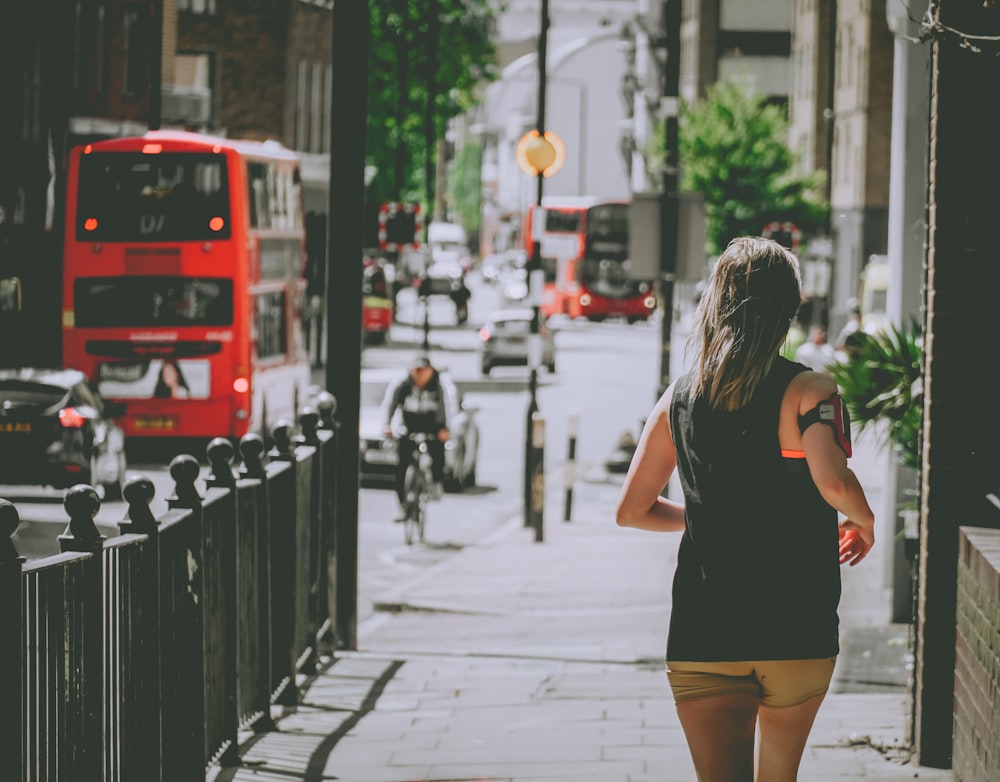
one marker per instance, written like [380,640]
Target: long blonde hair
[743,317]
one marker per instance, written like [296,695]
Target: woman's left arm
[639,503]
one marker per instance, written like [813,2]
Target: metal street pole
[669,205]
[534,269]
[426,301]
[349,93]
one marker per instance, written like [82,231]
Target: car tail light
[70,418]
[484,334]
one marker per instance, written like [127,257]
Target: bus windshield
[136,197]
[145,301]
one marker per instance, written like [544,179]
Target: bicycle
[417,483]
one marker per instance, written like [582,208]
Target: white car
[379,454]
[515,286]
[504,340]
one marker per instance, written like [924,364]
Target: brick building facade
[71,73]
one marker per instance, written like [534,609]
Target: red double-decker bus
[584,248]
[183,281]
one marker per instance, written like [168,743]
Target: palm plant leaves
[881,381]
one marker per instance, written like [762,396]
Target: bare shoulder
[662,406]
[809,388]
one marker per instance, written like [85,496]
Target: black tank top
[758,572]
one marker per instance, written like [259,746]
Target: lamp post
[348,91]
[539,154]
[425,284]
[669,205]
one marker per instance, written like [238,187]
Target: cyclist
[420,398]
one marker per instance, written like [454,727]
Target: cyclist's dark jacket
[758,572]
[423,409]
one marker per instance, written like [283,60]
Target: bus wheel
[595,318]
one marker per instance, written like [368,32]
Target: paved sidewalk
[517,661]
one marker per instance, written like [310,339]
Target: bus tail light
[70,418]
[241,385]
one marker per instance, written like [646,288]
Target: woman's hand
[854,542]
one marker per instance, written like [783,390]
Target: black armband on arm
[833,413]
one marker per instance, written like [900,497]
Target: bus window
[153,301]
[562,221]
[136,197]
[271,325]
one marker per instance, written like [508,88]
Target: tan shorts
[775,682]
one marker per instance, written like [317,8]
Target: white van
[448,242]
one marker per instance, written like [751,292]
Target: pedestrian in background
[760,447]
[852,326]
[816,353]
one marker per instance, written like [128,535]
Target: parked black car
[57,430]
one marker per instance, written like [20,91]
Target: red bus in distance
[183,281]
[584,249]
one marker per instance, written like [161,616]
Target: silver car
[504,340]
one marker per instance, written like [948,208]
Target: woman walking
[771,510]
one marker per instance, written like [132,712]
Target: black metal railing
[143,656]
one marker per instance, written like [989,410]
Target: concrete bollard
[570,473]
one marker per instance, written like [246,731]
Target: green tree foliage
[465,187]
[881,381]
[416,56]
[733,150]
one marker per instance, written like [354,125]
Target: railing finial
[9,522]
[326,404]
[309,423]
[184,470]
[282,435]
[252,450]
[138,493]
[81,534]
[220,454]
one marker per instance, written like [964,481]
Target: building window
[271,324]
[77,49]
[135,48]
[196,6]
[102,50]
[301,104]
[327,111]
[316,108]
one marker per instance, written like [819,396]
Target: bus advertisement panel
[183,281]
[584,249]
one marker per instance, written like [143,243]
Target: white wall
[584,107]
